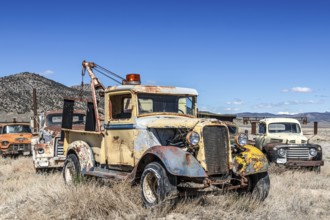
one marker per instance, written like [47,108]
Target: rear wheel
[71,169]
[156,186]
[259,185]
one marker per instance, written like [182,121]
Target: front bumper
[304,163]
[17,149]
[296,155]
[49,162]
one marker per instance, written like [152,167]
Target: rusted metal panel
[176,161]
[84,153]
[250,161]
[94,139]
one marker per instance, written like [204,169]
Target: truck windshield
[284,128]
[56,119]
[150,103]
[14,129]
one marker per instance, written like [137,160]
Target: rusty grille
[216,149]
[297,153]
[19,147]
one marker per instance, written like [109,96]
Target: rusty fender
[84,153]
[176,161]
[250,161]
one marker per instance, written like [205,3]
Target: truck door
[119,130]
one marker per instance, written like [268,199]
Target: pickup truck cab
[15,139]
[47,152]
[282,140]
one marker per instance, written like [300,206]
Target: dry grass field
[27,195]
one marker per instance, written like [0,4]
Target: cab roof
[274,120]
[154,89]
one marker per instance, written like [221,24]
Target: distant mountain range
[16,94]
[16,97]
[311,116]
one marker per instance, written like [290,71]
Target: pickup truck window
[56,119]
[14,129]
[150,103]
[121,106]
[284,128]
[262,128]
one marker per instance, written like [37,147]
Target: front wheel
[259,185]
[155,185]
[71,169]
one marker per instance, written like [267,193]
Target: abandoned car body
[283,142]
[48,149]
[151,135]
[15,139]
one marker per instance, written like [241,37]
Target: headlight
[193,138]
[303,141]
[5,143]
[281,152]
[313,152]
[41,151]
[241,139]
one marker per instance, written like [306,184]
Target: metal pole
[253,128]
[35,110]
[315,127]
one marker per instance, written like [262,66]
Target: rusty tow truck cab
[15,139]
[47,147]
[282,140]
[151,135]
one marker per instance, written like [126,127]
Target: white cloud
[235,102]
[286,113]
[231,109]
[301,89]
[298,89]
[47,72]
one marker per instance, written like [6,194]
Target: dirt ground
[25,194]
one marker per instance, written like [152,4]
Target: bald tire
[156,188]
[259,185]
[71,169]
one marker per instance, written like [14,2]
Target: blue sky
[256,56]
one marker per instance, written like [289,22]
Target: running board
[105,173]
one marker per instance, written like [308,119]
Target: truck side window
[262,128]
[121,106]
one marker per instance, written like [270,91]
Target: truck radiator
[20,147]
[216,149]
[58,147]
[297,153]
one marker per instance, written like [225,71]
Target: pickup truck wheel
[259,185]
[71,169]
[316,169]
[155,185]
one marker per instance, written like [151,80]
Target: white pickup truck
[282,140]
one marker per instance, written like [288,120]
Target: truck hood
[169,122]
[289,138]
